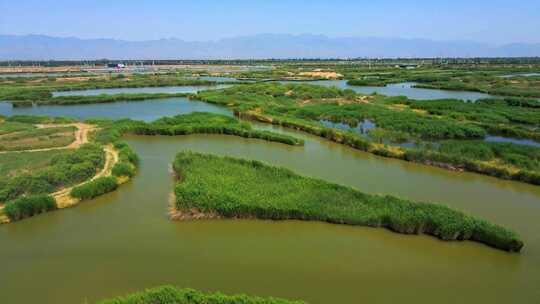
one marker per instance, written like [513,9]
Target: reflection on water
[361,128]
[527,142]
[146,110]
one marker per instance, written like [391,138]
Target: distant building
[407,66]
[116,65]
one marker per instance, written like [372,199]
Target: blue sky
[491,21]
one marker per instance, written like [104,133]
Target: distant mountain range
[39,47]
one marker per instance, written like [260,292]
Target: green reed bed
[174,295]
[193,123]
[237,188]
[209,123]
[397,119]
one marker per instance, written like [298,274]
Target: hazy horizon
[267,34]
[492,22]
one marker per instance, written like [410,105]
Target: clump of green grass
[102,98]
[35,119]
[173,295]
[242,188]
[11,127]
[128,161]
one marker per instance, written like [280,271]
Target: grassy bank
[103,98]
[173,295]
[208,123]
[229,187]
[193,123]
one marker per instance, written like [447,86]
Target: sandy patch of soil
[321,74]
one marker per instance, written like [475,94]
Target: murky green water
[123,241]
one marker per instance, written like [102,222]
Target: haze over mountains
[279,46]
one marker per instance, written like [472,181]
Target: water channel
[123,241]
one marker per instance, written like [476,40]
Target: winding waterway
[402,89]
[396,89]
[123,241]
[146,110]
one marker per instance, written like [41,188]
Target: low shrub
[29,206]
[123,169]
[173,295]
[95,188]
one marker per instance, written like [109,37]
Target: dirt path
[63,197]
[81,137]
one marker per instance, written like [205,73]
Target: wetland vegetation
[446,133]
[42,88]
[210,186]
[62,170]
[56,171]
[170,295]
[104,98]
[303,106]
[193,123]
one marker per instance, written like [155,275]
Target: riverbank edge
[382,150]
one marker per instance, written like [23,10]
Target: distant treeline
[104,62]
